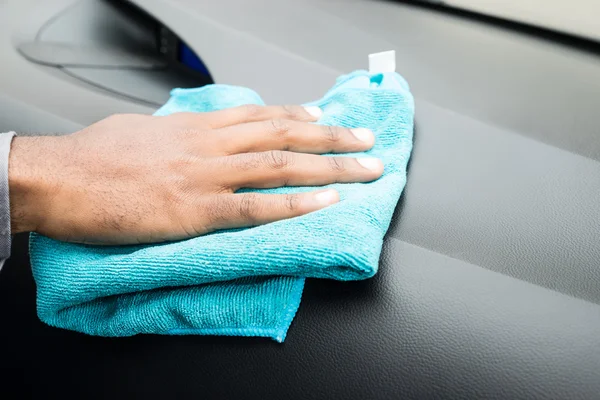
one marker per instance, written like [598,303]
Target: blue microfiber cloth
[244,282]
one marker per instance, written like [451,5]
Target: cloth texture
[243,282]
[5,230]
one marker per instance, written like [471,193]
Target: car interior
[489,278]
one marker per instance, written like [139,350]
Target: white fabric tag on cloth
[382,62]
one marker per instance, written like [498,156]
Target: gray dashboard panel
[23,118]
[59,54]
[44,87]
[504,202]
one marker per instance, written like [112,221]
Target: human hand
[137,179]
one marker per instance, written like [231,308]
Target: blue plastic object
[187,57]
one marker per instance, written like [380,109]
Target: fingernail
[314,111]
[327,197]
[363,134]
[374,164]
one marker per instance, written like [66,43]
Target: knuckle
[277,159]
[279,127]
[248,206]
[285,181]
[184,164]
[251,110]
[188,133]
[292,202]
[292,112]
[333,133]
[336,164]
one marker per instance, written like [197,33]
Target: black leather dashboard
[489,284]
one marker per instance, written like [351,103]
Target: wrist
[30,181]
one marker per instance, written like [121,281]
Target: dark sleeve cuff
[5,235]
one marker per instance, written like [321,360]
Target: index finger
[256,113]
